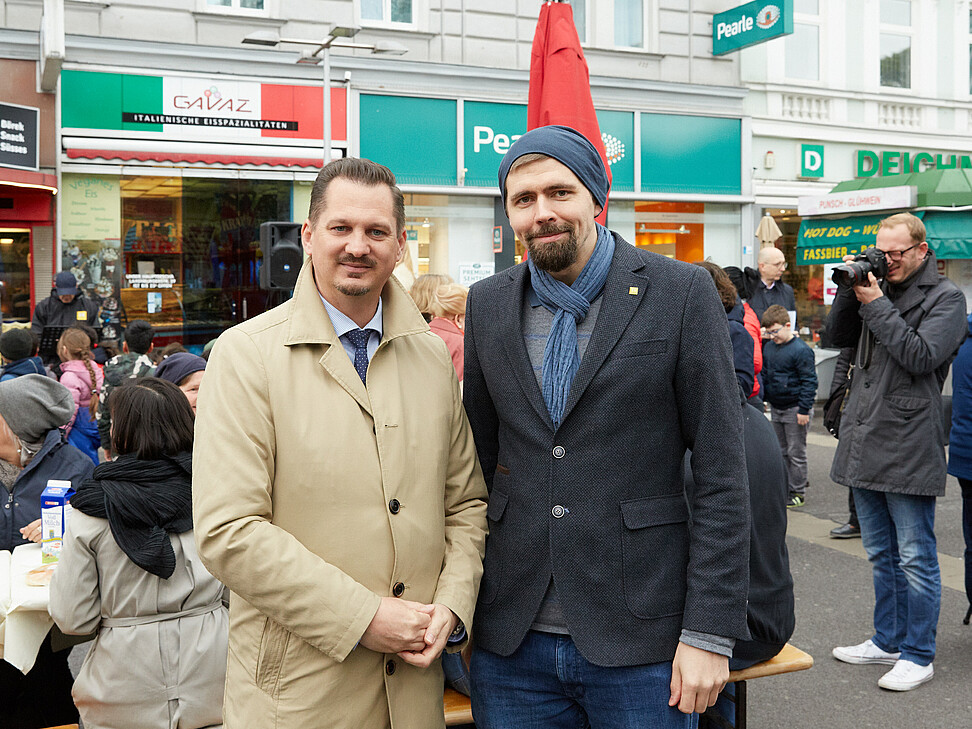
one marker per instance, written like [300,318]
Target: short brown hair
[727,292]
[775,314]
[916,228]
[362,171]
[150,418]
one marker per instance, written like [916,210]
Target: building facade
[171,154]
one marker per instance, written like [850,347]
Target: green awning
[939,187]
[828,241]
[949,234]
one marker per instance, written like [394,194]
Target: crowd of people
[292,531]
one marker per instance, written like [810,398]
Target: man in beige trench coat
[336,489]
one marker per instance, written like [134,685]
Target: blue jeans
[898,532]
[547,684]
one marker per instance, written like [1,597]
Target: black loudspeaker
[283,255]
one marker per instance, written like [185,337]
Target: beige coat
[295,466]
[141,673]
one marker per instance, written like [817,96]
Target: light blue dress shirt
[343,324]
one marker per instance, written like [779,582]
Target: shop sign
[816,254]
[497,239]
[150,280]
[90,207]
[617,133]
[871,163]
[859,201]
[828,241]
[811,161]
[749,24]
[19,138]
[687,154]
[489,130]
[214,108]
[470,273]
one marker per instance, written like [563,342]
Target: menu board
[91,207]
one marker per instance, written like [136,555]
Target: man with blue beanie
[590,369]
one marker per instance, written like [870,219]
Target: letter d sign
[811,160]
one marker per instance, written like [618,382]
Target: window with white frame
[579,9]
[237,4]
[802,49]
[386,11]
[895,43]
[970,50]
[629,23]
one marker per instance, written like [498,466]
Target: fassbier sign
[749,24]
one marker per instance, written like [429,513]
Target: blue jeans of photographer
[898,531]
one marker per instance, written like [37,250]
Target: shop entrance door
[15,273]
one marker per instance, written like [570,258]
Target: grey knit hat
[32,405]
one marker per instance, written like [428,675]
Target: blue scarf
[569,305]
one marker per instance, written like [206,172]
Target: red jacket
[453,337]
[751,322]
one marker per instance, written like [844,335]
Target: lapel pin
[633,290]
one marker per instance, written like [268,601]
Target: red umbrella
[560,86]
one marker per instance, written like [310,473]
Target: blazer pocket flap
[654,511]
[636,349]
[496,505]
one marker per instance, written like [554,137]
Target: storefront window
[15,274]
[808,281]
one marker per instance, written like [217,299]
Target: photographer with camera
[907,328]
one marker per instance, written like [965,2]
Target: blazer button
[398,590]
[558,511]
[390,667]
[394,506]
[559,452]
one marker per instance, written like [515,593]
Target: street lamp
[337,37]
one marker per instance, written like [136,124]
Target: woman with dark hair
[742,343]
[130,571]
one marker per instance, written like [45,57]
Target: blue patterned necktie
[359,338]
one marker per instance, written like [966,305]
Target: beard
[355,289]
[556,255]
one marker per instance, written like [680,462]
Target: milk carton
[55,512]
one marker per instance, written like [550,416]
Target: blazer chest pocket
[273,647]
[640,349]
[654,546]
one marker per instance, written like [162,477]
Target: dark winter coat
[960,441]
[789,375]
[763,298]
[891,432]
[742,349]
[52,312]
[26,366]
[57,459]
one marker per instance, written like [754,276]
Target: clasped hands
[415,631]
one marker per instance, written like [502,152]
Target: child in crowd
[83,379]
[130,571]
[18,347]
[790,386]
[185,371]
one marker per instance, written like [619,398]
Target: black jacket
[763,298]
[55,313]
[771,605]
[599,504]
[57,459]
[789,375]
[742,349]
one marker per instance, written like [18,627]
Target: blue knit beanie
[567,146]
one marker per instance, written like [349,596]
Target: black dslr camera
[872,260]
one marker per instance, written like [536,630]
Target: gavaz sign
[750,24]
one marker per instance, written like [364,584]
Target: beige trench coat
[141,673]
[296,464]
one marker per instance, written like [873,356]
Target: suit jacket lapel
[622,294]
[509,314]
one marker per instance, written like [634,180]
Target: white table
[24,620]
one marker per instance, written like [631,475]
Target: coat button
[390,667]
[558,511]
[394,506]
[398,590]
[867,384]
[559,452]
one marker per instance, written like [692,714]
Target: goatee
[556,255]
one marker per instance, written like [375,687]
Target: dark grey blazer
[600,503]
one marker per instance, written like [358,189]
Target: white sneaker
[866,652]
[905,676]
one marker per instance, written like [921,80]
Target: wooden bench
[458,710]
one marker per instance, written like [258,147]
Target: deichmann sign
[19,138]
[859,201]
[871,163]
[749,24]
[811,161]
